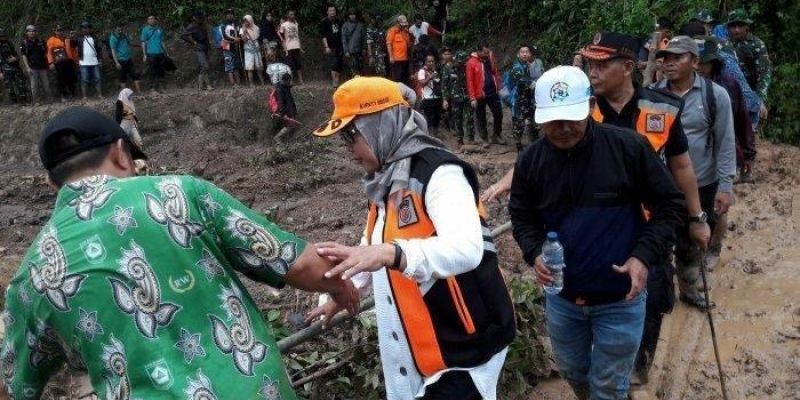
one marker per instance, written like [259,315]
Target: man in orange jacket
[61,58]
[483,84]
[398,44]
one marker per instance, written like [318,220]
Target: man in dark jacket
[587,182]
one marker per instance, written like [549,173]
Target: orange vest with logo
[656,115]
[463,320]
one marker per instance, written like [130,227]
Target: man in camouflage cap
[753,56]
[454,92]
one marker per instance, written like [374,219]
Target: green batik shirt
[754,60]
[133,281]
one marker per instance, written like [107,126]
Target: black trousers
[66,77]
[432,110]
[400,72]
[493,102]
[453,385]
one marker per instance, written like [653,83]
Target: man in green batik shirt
[133,279]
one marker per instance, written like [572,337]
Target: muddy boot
[99,88]
[207,82]
[83,91]
[697,300]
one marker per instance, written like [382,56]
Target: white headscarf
[125,98]
[253,31]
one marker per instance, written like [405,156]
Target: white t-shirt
[89,52]
[291,35]
[427,90]
[418,31]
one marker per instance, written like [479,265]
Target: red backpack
[272,102]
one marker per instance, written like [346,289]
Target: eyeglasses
[348,134]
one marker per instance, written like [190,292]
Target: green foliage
[784,124]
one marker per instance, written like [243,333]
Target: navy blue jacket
[592,196]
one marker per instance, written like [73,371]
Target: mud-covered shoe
[697,301]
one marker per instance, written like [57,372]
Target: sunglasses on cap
[349,134]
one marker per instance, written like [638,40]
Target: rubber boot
[83,90]
[99,89]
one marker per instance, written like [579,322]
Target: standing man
[429,85]
[231,44]
[34,62]
[61,57]
[331,30]
[90,54]
[398,46]
[456,99]
[483,83]
[753,58]
[353,40]
[708,123]
[196,35]
[587,182]
[289,33]
[155,52]
[521,84]
[134,279]
[376,47]
[10,70]
[656,116]
[120,45]
[421,28]
[445,318]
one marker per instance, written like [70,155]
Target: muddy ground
[310,186]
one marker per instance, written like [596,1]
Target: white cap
[562,93]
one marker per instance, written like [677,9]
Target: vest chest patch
[655,123]
[407,213]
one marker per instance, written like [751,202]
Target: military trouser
[463,116]
[688,254]
[523,123]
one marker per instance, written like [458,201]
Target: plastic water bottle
[553,257]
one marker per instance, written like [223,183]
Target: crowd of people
[132,279]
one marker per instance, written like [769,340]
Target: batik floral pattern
[118,386]
[51,278]
[237,339]
[172,211]
[199,388]
[143,300]
[94,195]
[263,250]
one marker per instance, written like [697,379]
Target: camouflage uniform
[754,60]
[752,54]
[521,83]
[377,56]
[454,91]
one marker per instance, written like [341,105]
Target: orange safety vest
[463,320]
[654,120]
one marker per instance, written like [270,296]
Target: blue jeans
[90,73]
[595,346]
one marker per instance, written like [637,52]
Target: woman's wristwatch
[701,218]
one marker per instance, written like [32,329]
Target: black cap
[86,24]
[609,45]
[90,128]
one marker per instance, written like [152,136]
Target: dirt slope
[310,186]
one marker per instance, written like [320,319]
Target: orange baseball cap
[360,96]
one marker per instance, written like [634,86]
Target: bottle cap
[553,236]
